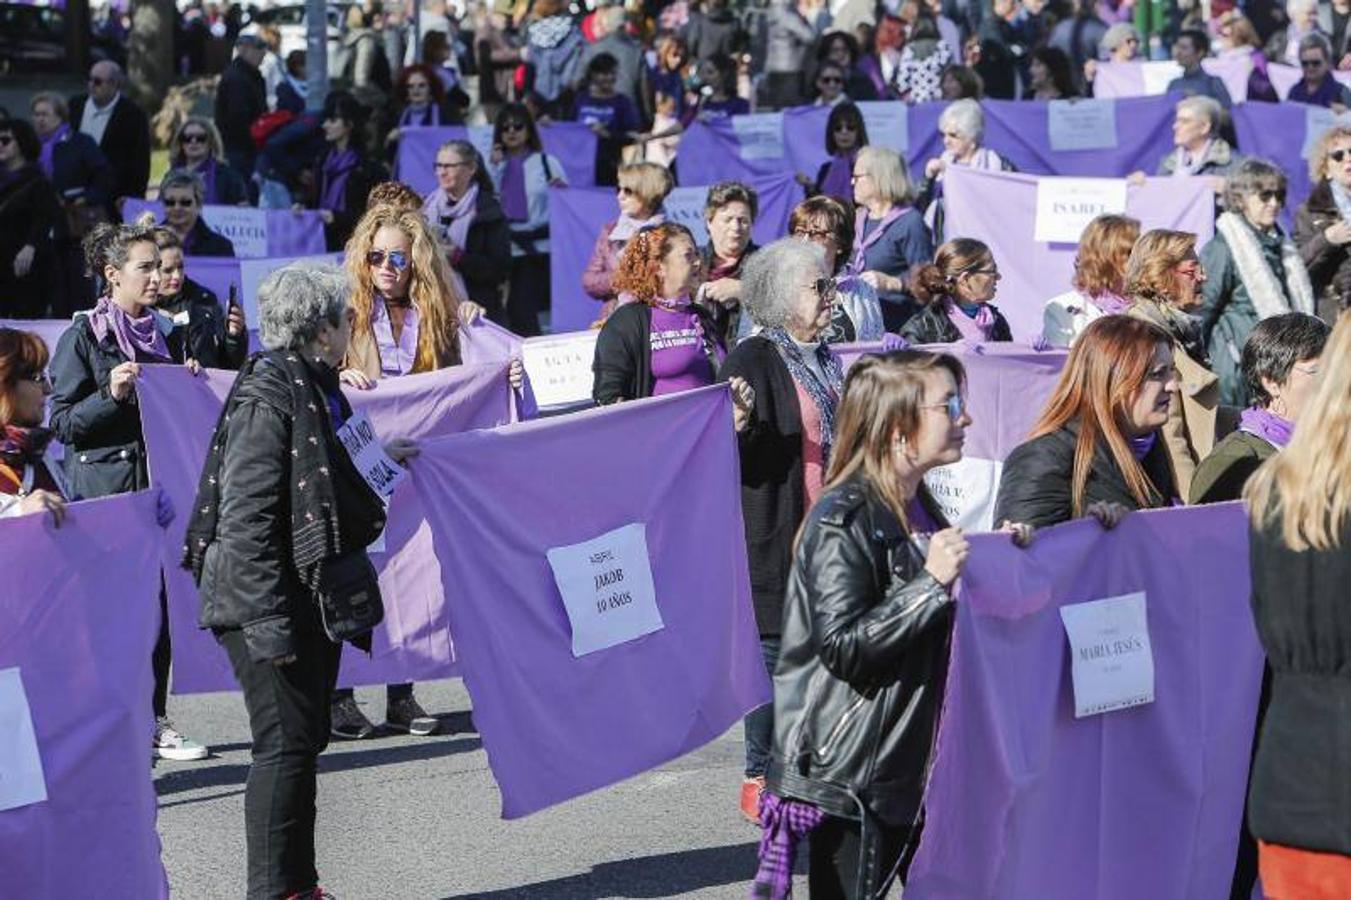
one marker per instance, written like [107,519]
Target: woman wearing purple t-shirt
[665,342]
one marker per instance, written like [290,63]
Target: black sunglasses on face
[830,79]
[1338,155]
[512,126]
[184,202]
[1269,196]
[194,138]
[1311,63]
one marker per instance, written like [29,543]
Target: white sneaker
[169,744]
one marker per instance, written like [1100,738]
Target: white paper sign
[252,273]
[966,491]
[1111,661]
[1066,205]
[760,135]
[685,206]
[560,368]
[21,779]
[1318,119]
[245,226]
[1081,124]
[606,586]
[1158,74]
[368,455]
[888,123]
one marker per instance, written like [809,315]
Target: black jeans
[161,657]
[527,293]
[758,725]
[289,718]
[839,870]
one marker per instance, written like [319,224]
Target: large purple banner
[571,143]
[254,232]
[178,414]
[1283,133]
[81,613]
[1019,130]
[579,214]
[1001,209]
[1025,799]
[557,722]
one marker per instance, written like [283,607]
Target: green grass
[159,164]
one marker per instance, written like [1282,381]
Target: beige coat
[1190,431]
[363,353]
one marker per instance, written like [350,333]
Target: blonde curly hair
[431,288]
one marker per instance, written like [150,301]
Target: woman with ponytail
[954,292]
[1096,449]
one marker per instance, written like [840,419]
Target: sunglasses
[397,258]
[512,126]
[845,126]
[955,406]
[1277,197]
[1338,155]
[626,191]
[829,79]
[448,165]
[1312,63]
[184,202]
[196,137]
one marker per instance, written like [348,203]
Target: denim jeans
[759,723]
[288,710]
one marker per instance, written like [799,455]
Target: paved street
[417,818]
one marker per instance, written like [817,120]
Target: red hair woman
[1096,449]
[31,480]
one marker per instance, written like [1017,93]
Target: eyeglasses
[1338,155]
[814,234]
[397,258]
[448,165]
[1312,63]
[512,126]
[1277,197]
[955,406]
[829,79]
[176,202]
[196,137]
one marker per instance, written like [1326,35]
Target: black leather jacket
[860,676]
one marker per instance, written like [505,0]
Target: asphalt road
[403,817]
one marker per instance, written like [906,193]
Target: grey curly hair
[773,277]
[296,300]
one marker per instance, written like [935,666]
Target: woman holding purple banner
[1299,507]
[890,236]
[1318,87]
[954,292]
[962,125]
[1097,448]
[1099,280]
[196,146]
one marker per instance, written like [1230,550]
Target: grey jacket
[791,38]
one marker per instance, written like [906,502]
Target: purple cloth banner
[1284,77]
[485,341]
[81,615]
[1016,129]
[1129,79]
[571,143]
[178,413]
[254,232]
[579,214]
[1024,800]
[1279,132]
[557,726]
[1001,208]
[50,330]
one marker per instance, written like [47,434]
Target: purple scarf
[858,265]
[135,337]
[1267,425]
[1111,304]
[514,203]
[452,218]
[1140,446]
[49,148]
[337,168]
[785,823]
[976,328]
[208,172]
[428,115]
[839,177]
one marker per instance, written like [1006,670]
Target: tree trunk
[77,36]
[150,52]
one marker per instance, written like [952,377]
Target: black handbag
[349,597]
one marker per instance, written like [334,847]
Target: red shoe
[751,788]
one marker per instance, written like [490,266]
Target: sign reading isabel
[363,445]
[607,590]
[1111,661]
[1066,205]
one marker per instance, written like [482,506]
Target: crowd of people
[1194,373]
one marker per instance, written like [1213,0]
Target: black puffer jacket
[248,580]
[1037,484]
[931,325]
[105,453]
[199,322]
[860,676]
